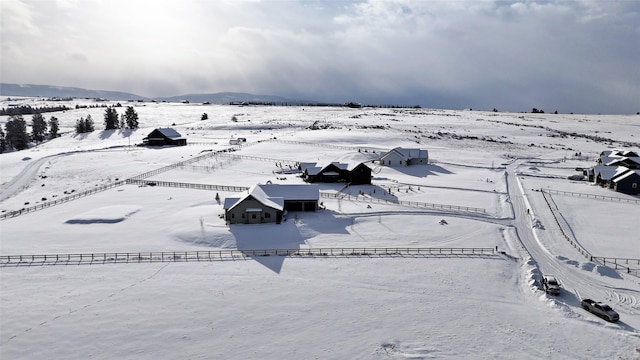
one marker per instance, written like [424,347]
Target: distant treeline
[28,110]
[350,104]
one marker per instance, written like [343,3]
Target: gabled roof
[313,170]
[170,133]
[625,174]
[256,193]
[408,154]
[616,153]
[305,165]
[274,195]
[291,191]
[355,165]
[609,161]
[316,168]
[608,172]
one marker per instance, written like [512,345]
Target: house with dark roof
[404,157]
[164,136]
[603,174]
[619,157]
[352,173]
[618,153]
[266,203]
[627,182]
[617,169]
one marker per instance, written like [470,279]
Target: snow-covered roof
[313,170]
[625,174]
[316,168]
[170,133]
[612,161]
[274,195]
[306,165]
[291,191]
[408,154]
[259,195]
[608,172]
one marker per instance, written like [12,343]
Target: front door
[254,217]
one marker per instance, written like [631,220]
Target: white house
[404,157]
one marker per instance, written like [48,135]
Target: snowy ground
[453,307]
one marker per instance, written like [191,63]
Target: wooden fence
[228,254]
[61,200]
[186,185]
[402,202]
[597,259]
[591,196]
[630,266]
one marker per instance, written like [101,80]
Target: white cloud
[17,19]
[479,51]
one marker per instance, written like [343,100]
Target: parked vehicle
[603,310]
[551,285]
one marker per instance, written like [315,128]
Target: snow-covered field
[360,307]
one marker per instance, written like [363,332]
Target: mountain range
[50,91]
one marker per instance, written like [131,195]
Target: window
[267,215]
[233,216]
[634,185]
[253,216]
[243,215]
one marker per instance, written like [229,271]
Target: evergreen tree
[54,126]
[3,141]
[16,133]
[88,124]
[131,118]
[38,127]
[80,126]
[111,119]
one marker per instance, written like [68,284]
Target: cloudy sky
[569,56]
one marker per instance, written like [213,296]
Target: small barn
[404,157]
[164,136]
[360,174]
[627,182]
[266,203]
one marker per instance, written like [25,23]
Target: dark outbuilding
[627,182]
[354,173]
[164,136]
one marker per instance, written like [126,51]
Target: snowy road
[24,178]
[579,277]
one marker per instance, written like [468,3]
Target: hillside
[62,92]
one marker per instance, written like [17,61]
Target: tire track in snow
[23,179]
[576,276]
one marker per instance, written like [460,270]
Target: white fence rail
[591,196]
[630,266]
[228,254]
[369,199]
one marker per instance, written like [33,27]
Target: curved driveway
[575,275]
